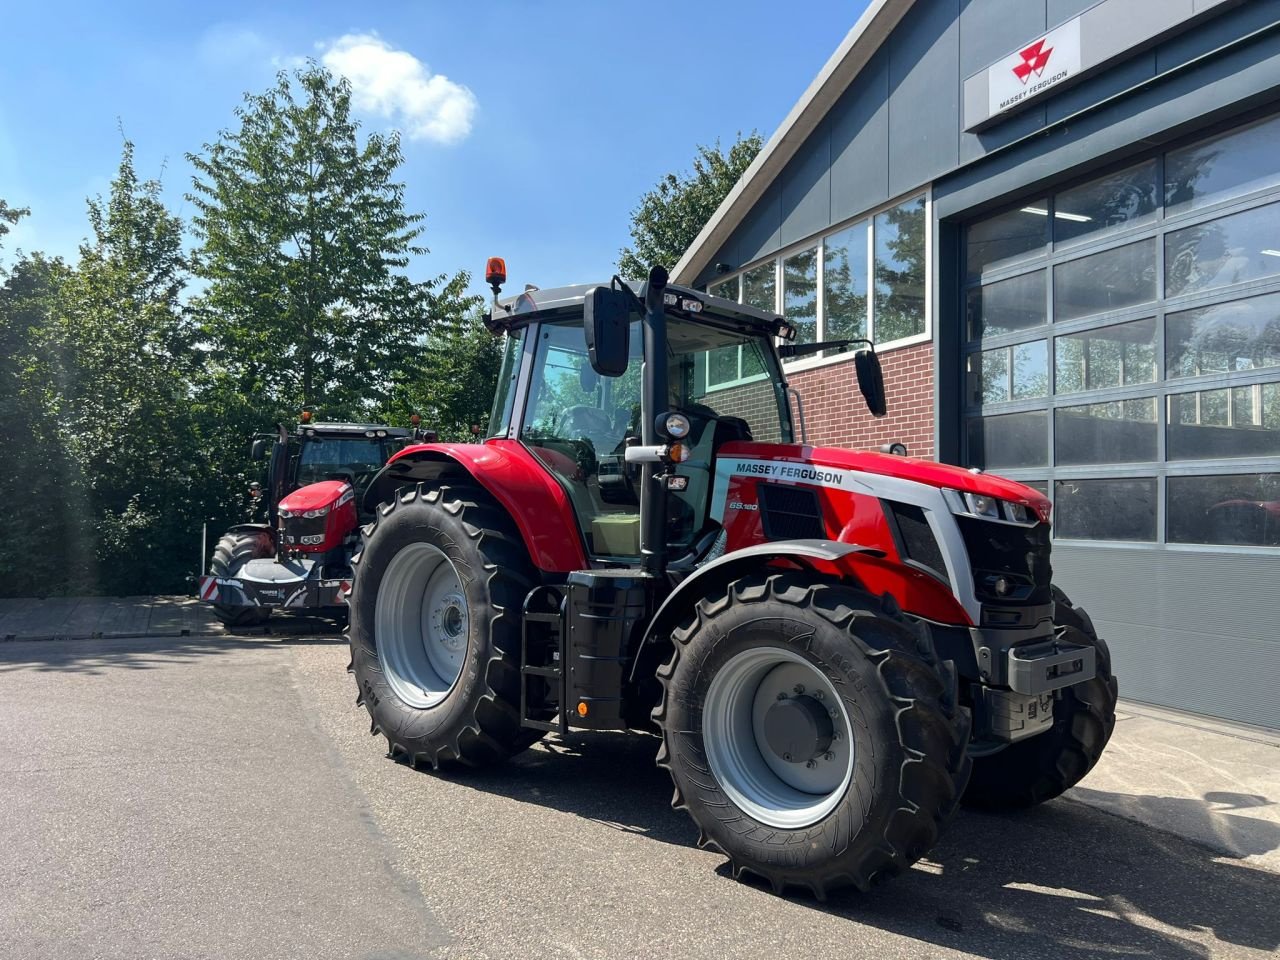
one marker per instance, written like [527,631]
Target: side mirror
[871,381]
[607,322]
[259,449]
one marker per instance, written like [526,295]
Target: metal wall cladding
[1190,629]
[899,125]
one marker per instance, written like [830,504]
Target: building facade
[1059,221]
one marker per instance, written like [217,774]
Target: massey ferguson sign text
[1035,68]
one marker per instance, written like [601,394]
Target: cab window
[577,424]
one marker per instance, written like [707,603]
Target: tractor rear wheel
[1040,768]
[811,732]
[434,628]
[233,551]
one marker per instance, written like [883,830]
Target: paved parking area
[221,797]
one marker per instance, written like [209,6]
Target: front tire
[1042,767]
[811,733]
[435,627]
[233,551]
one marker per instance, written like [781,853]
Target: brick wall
[836,414]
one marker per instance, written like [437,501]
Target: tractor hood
[316,496]
[787,461]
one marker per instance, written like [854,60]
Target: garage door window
[1123,342]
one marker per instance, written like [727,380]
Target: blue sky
[531,128]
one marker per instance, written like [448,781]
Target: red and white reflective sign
[208,588]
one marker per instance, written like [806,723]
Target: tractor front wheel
[435,627]
[233,551]
[811,732]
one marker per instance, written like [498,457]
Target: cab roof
[533,304]
[351,429]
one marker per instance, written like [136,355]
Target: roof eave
[858,46]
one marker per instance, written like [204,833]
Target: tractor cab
[721,375]
[318,452]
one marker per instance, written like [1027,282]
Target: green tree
[10,216]
[305,240]
[452,384]
[672,214]
[46,528]
[122,356]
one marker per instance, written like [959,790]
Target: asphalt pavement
[220,797]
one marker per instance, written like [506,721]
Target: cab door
[576,423]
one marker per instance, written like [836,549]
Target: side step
[543,677]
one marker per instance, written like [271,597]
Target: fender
[867,568]
[722,571]
[250,528]
[537,504]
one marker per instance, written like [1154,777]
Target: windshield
[729,376]
[353,459]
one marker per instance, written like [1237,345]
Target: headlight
[981,506]
[312,514]
[989,508]
[674,425]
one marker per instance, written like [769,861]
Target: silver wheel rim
[422,625]
[788,794]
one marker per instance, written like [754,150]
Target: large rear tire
[435,627]
[1042,767]
[811,732]
[233,551]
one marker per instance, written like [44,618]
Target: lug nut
[819,695]
[799,688]
[782,696]
[811,764]
[828,755]
[835,735]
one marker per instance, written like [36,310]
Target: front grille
[1019,554]
[790,513]
[302,532]
[915,538]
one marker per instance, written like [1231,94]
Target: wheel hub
[798,729]
[449,621]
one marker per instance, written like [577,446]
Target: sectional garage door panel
[1121,353]
[1190,630]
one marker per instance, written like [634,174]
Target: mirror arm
[789,350]
[617,283]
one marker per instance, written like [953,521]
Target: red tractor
[299,560]
[835,647]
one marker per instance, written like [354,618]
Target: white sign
[1040,65]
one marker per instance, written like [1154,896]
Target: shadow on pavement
[1208,819]
[1064,880]
[141,653]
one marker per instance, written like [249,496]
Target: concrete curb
[105,618]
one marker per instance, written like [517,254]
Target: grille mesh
[790,513]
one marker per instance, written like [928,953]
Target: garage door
[1123,356]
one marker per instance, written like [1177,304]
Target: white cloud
[397,85]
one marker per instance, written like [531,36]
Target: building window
[844,283]
[800,293]
[900,271]
[1123,343]
[866,279]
